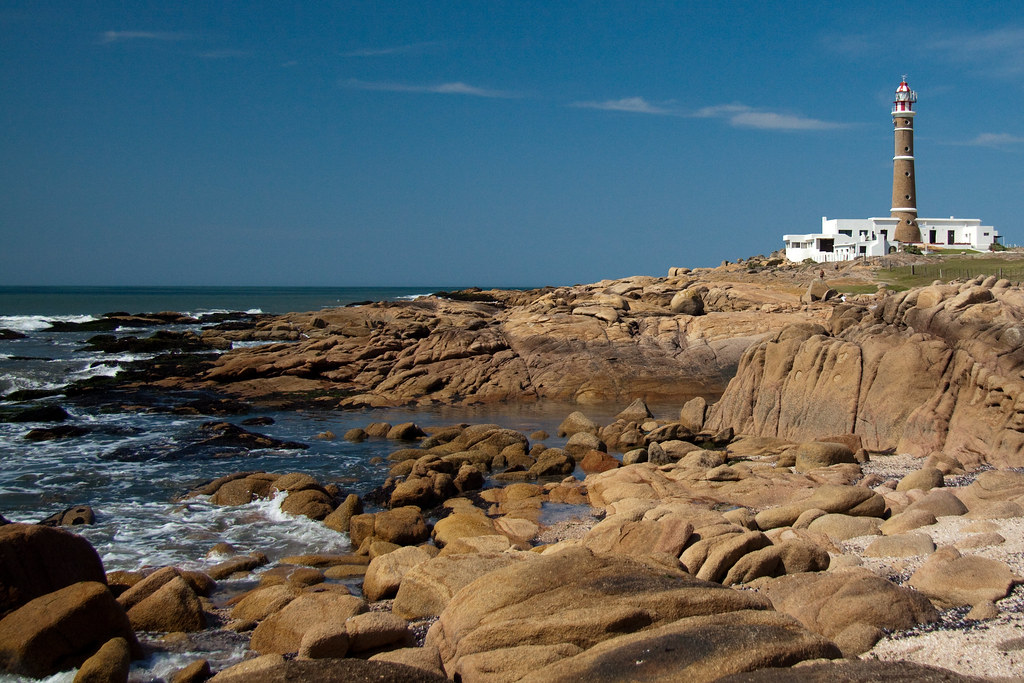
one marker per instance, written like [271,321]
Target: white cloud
[394,50]
[999,51]
[453,88]
[995,140]
[637,105]
[121,36]
[743,116]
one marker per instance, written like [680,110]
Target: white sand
[992,648]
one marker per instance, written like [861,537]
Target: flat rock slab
[574,597]
[694,650]
[854,671]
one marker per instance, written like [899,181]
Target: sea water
[128,466]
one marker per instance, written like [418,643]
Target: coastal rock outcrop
[588,343]
[930,369]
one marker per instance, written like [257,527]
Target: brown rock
[573,596]
[700,648]
[844,527]
[327,640]
[950,579]
[427,587]
[401,526]
[259,603]
[173,607]
[60,630]
[460,525]
[241,563]
[282,632]
[110,664]
[925,479]
[693,413]
[385,573]
[276,669]
[597,461]
[375,630]
[907,521]
[829,603]
[853,671]
[36,560]
[425,658]
[575,423]
[312,503]
[196,672]
[814,454]
[901,545]
[340,517]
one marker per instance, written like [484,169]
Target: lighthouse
[904,195]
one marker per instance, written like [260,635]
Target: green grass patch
[953,267]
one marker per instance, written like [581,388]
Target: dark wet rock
[121,319]
[42,413]
[160,341]
[222,440]
[36,560]
[6,334]
[32,394]
[56,433]
[72,516]
[261,421]
[277,669]
[209,405]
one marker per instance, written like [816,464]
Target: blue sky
[490,143]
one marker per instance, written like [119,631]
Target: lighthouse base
[907,232]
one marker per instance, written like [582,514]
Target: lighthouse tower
[904,196]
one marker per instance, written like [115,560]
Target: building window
[906,149]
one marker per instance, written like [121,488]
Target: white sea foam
[34,323]
[253,344]
[411,297]
[220,311]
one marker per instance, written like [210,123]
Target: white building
[843,239]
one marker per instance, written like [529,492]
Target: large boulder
[851,607]
[277,669]
[60,630]
[174,607]
[570,600]
[282,632]
[427,588]
[700,648]
[950,579]
[386,572]
[36,560]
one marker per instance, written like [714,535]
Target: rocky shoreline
[852,507]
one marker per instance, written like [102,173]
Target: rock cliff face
[612,340]
[934,368]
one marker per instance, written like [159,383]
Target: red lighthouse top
[905,98]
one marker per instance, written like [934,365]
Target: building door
[931,237]
[951,237]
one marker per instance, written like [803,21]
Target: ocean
[131,466]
